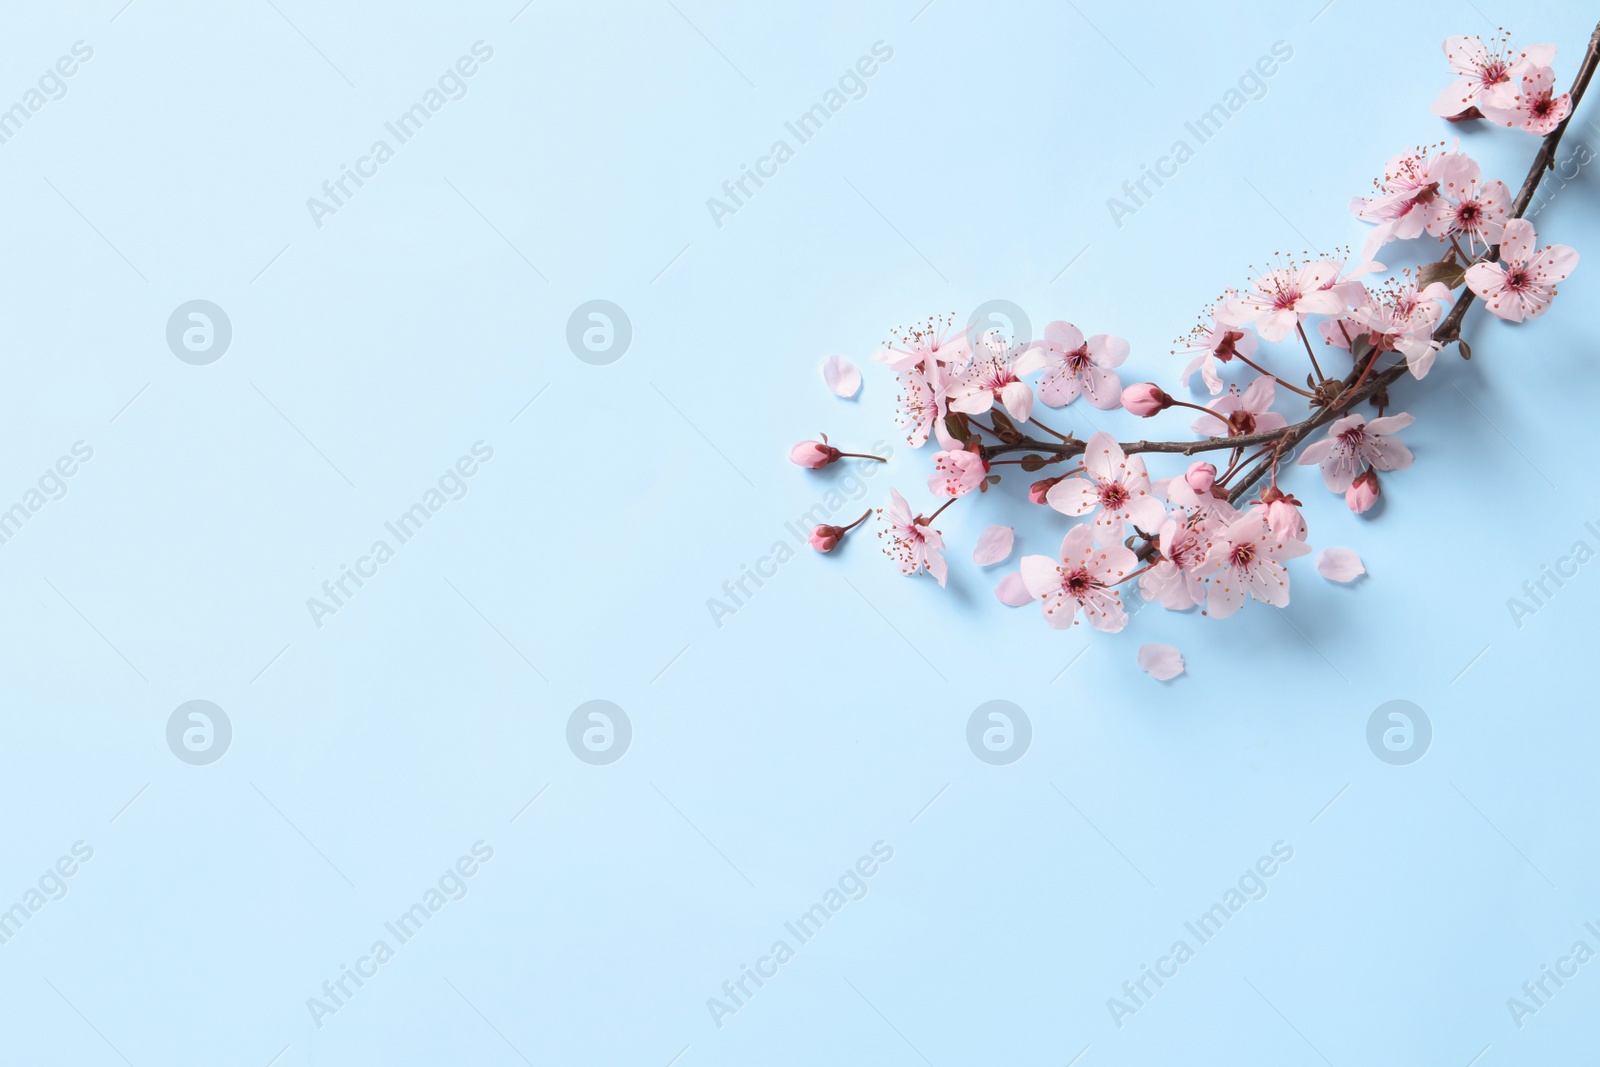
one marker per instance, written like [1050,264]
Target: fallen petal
[1339,565]
[994,546]
[1012,592]
[841,376]
[1161,662]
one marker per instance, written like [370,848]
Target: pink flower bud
[1201,476]
[813,454]
[1037,491]
[826,538]
[1363,492]
[1145,399]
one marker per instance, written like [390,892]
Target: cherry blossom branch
[1450,329]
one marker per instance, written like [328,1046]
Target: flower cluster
[1198,538]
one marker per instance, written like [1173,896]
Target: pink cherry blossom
[1409,196]
[1403,321]
[927,344]
[1176,579]
[1239,413]
[1353,444]
[1082,578]
[1248,558]
[991,376]
[1073,365]
[1280,300]
[1115,485]
[1479,212]
[912,545]
[1523,283]
[1535,107]
[921,403]
[1486,77]
[1211,345]
[956,473]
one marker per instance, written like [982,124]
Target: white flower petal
[1339,565]
[1161,662]
[994,546]
[841,376]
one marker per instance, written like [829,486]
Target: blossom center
[1079,583]
[1242,555]
[1113,495]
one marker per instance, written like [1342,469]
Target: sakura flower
[1403,322]
[1115,485]
[1280,300]
[1210,345]
[1201,476]
[1409,196]
[921,403]
[1479,213]
[912,544]
[1073,365]
[1082,578]
[1486,77]
[991,376]
[1238,413]
[956,473]
[1176,579]
[1535,107]
[1353,443]
[1523,283]
[1248,558]
[927,344]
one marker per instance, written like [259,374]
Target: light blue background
[772,751]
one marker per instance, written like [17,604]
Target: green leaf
[956,423]
[1032,462]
